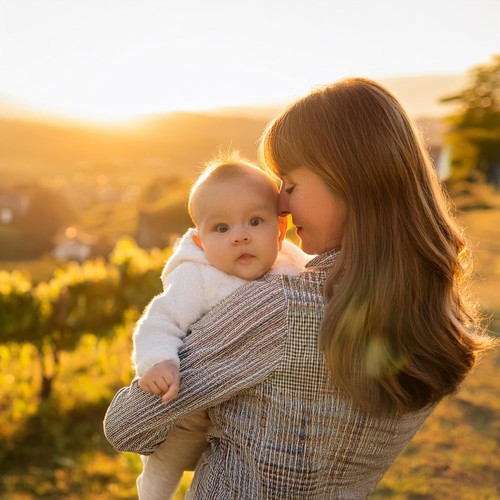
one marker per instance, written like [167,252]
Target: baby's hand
[162,379]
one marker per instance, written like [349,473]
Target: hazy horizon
[419,94]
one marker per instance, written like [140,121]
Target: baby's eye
[222,228]
[255,221]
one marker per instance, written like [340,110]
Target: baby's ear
[197,241]
[283,225]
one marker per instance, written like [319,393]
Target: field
[57,450]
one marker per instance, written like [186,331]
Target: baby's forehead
[244,174]
[238,184]
[255,181]
[247,196]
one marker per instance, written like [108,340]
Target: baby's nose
[241,237]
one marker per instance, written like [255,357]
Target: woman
[315,383]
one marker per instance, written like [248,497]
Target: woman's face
[318,214]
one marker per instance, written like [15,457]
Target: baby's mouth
[245,258]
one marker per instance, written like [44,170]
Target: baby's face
[237,222]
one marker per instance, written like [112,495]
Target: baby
[238,237]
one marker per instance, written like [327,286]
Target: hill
[158,145]
[153,145]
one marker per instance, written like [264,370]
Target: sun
[124,95]
[114,104]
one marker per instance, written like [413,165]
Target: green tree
[48,212]
[474,134]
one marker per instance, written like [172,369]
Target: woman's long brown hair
[398,333]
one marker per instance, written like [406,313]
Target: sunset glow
[112,59]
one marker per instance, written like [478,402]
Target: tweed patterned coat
[279,428]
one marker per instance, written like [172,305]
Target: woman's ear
[283,225]
[197,241]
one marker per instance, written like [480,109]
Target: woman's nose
[283,203]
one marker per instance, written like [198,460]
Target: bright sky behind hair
[108,59]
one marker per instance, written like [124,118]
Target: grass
[454,454]
[58,451]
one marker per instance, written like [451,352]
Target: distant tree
[163,211]
[474,134]
[160,187]
[47,213]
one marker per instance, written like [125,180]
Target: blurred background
[108,110]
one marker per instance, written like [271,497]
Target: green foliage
[475,130]
[91,297]
[480,102]
[79,298]
[19,305]
[139,271]
[57,449]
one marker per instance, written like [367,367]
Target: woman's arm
[235,346]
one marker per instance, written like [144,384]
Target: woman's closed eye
[288,188]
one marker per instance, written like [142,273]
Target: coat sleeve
[231,349]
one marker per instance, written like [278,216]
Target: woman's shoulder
[271,288]
[257,310]
[269,298]
[279,292]
[307,288]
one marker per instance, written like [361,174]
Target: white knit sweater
[191,287]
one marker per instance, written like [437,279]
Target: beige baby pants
[162,471]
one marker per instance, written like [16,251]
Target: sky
[105,59]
